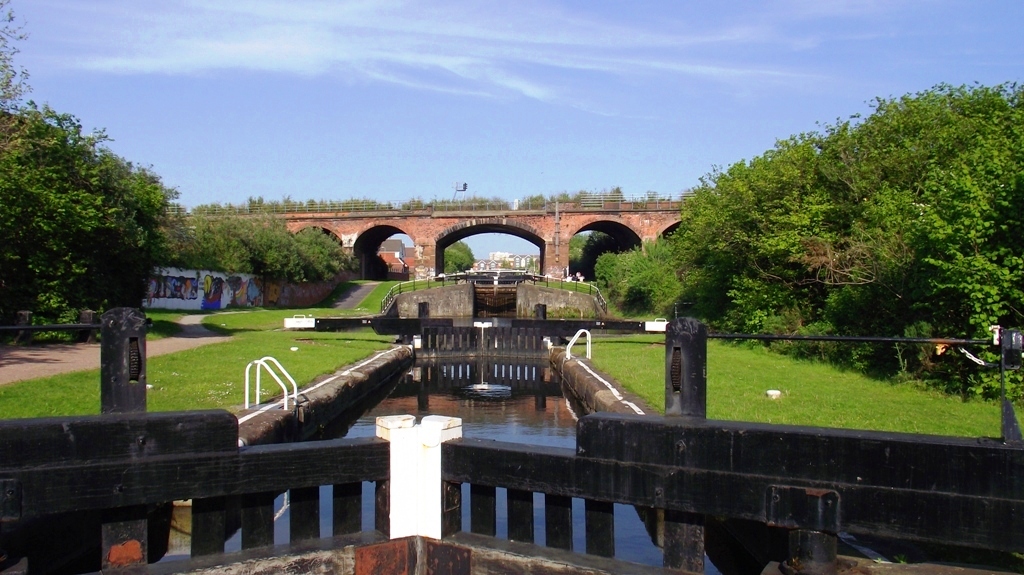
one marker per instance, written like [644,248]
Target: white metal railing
[568,348]
[268,363]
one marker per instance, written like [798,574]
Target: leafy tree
[458,257]
[906,222]
[638,281]
[259,245]
[82,226]
[12,77]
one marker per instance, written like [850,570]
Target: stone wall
[452,301]
[561,303]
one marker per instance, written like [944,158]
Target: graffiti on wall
[180,289]
[173,287]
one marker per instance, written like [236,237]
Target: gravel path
[18,363]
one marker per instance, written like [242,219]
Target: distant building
[393,251]
[508,262]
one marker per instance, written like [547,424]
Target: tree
[458,258]
[907,221]
[260,245]
[12,77]
[82,226]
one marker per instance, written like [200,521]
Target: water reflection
[520,402]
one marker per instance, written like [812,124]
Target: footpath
[21,362]
[18,363]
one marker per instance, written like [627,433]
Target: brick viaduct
[550,228]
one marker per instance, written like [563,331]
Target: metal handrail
[568,346]
[264,363]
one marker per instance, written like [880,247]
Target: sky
[394,99]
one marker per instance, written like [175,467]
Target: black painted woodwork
[382,507]
[304,513]
[899,485]
[209,525]
[483,514]
[451,508]
[257,519]
[600,526]
[684,541]
[558,521]
[520,514]
[348,508]
[123,361]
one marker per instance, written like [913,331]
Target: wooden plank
[124,539]
[258,520]
[65,440]
[382,507]
[979,467]
[284,466]
[483,514]
[908,512]
[114,484]
[209,526]
[304,513]
[600,526]
[451,508]
[558,521]
[520,515]
[684,541]
[123,361]
[348,508]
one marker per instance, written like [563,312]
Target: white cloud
[489,48]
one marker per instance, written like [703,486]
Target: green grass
[371,303]
[211,376]
[164,323]
[812,393]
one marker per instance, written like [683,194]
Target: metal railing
[581,202]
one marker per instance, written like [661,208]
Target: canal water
[520,402]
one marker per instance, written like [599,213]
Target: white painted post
[401,432]
[434,430]
[415,492]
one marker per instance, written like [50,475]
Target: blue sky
[389,99]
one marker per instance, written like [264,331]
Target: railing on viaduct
[584,202]
[109,473]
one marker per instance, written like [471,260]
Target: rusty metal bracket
[802,508]
[10,500]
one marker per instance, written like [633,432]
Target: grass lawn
[812,393]
[164,323]
[210,376]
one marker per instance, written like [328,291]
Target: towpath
[18,363]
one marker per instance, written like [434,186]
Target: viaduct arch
[361,233]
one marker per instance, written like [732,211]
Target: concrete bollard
[415,484]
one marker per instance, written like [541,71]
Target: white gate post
[415,491]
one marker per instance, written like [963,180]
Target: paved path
[354,296]
[18,363]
